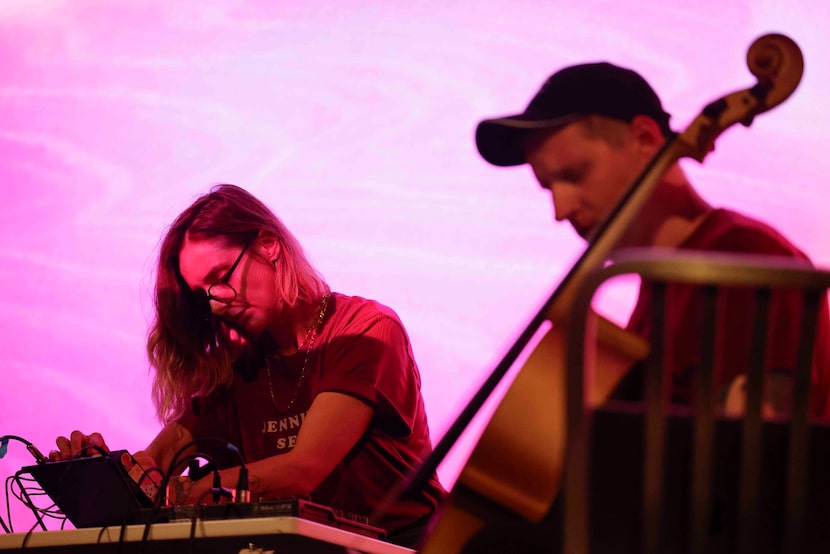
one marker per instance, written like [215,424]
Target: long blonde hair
[186,345]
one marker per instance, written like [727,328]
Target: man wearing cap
[587,135]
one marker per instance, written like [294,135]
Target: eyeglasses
[221,291]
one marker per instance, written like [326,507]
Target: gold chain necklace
[308,343]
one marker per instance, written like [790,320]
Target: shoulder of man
[731,231]
[357,310]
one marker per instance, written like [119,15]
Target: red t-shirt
[361,349]
[728,231]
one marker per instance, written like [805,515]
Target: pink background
[354,121]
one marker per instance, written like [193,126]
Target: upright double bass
[515,471]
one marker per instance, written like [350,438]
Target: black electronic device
[289,507]
[112,489]
[99,490]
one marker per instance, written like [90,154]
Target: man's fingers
[76,443]
[95,439]
[64,451]
[144,460]
[79,444]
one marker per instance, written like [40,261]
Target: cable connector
[39,457]
[243,493]
[4,446]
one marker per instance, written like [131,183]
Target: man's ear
[646,134]
[270,246]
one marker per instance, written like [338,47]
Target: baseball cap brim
[501,141]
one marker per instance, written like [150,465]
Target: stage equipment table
[277,535]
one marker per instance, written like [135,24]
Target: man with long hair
[317,392]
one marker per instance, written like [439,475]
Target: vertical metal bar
[751,446]
[653,460]
[576,536]
[799,436]
[701,495]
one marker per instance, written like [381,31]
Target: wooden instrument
[515,471]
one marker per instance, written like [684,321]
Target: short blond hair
[612,131]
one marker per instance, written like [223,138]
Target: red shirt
[361,349]
[728,231]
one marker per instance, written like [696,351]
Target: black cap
[568,95]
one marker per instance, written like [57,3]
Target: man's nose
[564,201]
